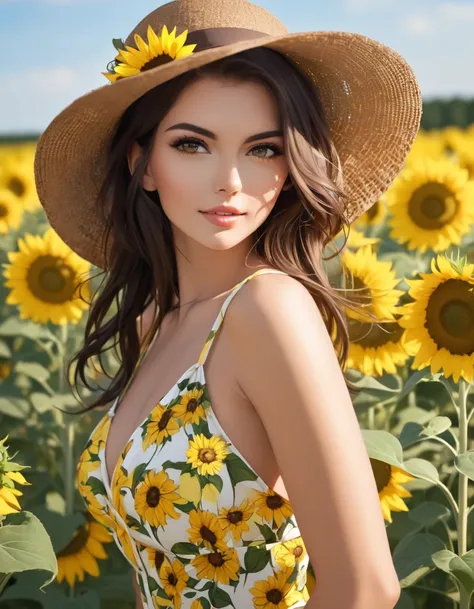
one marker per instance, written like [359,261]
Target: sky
[55,50]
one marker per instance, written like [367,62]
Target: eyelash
[191,140]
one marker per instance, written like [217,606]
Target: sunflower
[207,454]
[157,51]
[156,558]
[8,493]
[289,553]
[161,425]
[190,409]
[155,498]
[43,277]
[376,348]
[17,176]
[80,554]
[120,481]
[206,530]
[234,519]
[275,592]
[196,604]
[6,366]
[440,321]
[376,214]
[357,239]
[427,144]
[389,479]
[465,155]
[221,566]
[431,205]
[373,281]
[272,506]
[173,578]
[11,211]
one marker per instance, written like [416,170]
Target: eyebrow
[212,136]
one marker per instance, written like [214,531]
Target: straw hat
[370,96]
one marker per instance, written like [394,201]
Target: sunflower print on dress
[199,526]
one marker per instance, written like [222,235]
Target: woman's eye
[183,142]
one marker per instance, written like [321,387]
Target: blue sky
[54,50]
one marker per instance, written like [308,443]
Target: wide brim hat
[370,96]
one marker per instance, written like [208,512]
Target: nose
[229,181]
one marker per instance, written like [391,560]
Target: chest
[172,355]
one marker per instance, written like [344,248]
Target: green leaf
[25,545]
[33,370]
[186,508]
[13,326]
[465,464]
[97,486]
[138,475]
[411,383]
[185,548]
[14,407]
[204,602]
[460,567]
[256,559]
[267,533]
[5,350]
[412,557]
[436,426]
[238,470]
[383,446]
[118,43]
[219,598]
[420,468]
[429,513]
[174,465]
[59,527]
[216,481]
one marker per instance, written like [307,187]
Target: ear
[288,183]
[134,155]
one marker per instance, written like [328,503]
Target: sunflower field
[410,260]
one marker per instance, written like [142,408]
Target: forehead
[222,105]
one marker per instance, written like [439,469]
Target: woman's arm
[138,593]
[286,366]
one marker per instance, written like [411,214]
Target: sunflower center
[207,455]
[382,472]
[274,596]
[274,502]
[3,210]
[432,206]
[450,316]
[159,560]
[51,280]
[216,559]
[298,551]
[235,517]
[79,540]
[192,405]
[153,496]
[374,335]
[172,579]
[165,419]
[208,535]
[156,61]
[17,186]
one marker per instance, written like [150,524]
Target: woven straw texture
[370,96]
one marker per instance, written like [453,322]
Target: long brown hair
[142,265]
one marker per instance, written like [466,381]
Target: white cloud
[456,11]
[31,99]
[419,24]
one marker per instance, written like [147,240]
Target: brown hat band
[212,37]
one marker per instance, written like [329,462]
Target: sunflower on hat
[156,51]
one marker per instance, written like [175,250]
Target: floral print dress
[197,524]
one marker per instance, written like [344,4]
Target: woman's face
[194,172]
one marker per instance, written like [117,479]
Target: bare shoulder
[285,364]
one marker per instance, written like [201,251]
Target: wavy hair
[142,262]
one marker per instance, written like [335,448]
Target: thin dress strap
[220,317]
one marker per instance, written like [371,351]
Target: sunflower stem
[67,432]
[4,579]
[371,417]
[463,486]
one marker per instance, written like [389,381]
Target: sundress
[198,525]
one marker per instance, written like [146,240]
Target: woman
[210,479]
